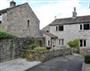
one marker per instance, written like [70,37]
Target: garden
[33,52]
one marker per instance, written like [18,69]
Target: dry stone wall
[10,48]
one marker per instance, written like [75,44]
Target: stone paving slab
[17,65]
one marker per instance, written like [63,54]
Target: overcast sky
[46,10]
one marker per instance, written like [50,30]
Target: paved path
[17,65]
[86,67]
[68,63]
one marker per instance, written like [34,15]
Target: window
[80,26]
[0,22]
[48,42]
[61,41]
[86,26]
[56,28]
[60,28]
[0,17]
[28,23]
[82,42]
[85,43]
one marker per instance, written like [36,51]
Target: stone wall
[85,51]
[21,21]
[10,48]
[46,55]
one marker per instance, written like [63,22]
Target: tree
[74,44]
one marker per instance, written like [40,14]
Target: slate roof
[71,20]
[7,9]
[49,34]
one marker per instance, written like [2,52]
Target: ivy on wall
[5,35]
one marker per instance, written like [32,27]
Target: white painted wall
[47,38]
[71,32]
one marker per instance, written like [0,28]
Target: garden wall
[46,55]
[85,51]
[10,48]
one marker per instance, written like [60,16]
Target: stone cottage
[67,29]
[20,20]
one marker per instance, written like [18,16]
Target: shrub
[74,43]
[87,59]
[5,35]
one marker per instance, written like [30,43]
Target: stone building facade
[20,20]
[68,29]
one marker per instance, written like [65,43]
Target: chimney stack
[12,3]
[74,13]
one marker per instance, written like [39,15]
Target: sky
[49,10]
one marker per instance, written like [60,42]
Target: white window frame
[61,41]
[83,26]
[84,42]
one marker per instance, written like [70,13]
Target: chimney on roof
[74,13]
[12,3]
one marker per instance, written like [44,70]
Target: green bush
[87,59]
[74,43]
[5,35]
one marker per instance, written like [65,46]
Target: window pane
[0,18]
[86,27]
[28,23]
[84,43]
[0,22]
[60,28]
[81,43]
[81,27]
[48,42]
[61,41]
